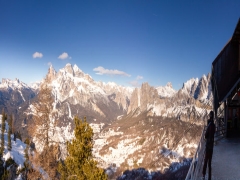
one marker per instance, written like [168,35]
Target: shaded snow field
[17,152]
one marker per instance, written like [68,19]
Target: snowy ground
[226,160]
[17,152]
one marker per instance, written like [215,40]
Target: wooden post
[238,55]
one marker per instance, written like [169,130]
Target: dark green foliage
[26,154]
[27,141]
[11,124]
[141,141]
[9,133]
[9,141]
[27,165]
[1,168]
[4,117]
[9,173]
[18,135]
[9,162]
[79,163]
[14,136]
[27,162]
[5,175]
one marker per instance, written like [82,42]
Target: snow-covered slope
[153,143]
[17,151]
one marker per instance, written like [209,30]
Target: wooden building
[225,80]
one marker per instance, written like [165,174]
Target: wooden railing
[196,165]
[221,130]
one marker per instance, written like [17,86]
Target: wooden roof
[226,68]
[236,34]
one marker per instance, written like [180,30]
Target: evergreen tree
[18,135]
[26,163]
[9,140]
[11,124]
[9,133]
[4,117]
[26,150]
[79,164]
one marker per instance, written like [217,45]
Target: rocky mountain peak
[169,84]
[166,91]
[51,73]
[78,72]
[188,85]
[208,76]
[69,69]
[198,88]
[76,68]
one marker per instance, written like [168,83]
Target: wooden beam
[238,55]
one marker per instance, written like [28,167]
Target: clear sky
[125,41]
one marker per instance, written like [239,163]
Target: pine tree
[26,163]
[9,140]
[26,150]
[9,133]
[79,164]
[4,117]
[11,124]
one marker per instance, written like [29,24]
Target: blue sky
[125,41]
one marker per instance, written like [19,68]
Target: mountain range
[76,93]
[134,127]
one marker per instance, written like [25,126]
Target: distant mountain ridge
[76,93]
[14,93]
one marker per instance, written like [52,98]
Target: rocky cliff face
[142,97]
[200,89]
[188,103]
[76,93]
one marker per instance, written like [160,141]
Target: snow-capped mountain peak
[169,84]
[198,88]
[13,84]
[188,85]
[76,68]
[166,91]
